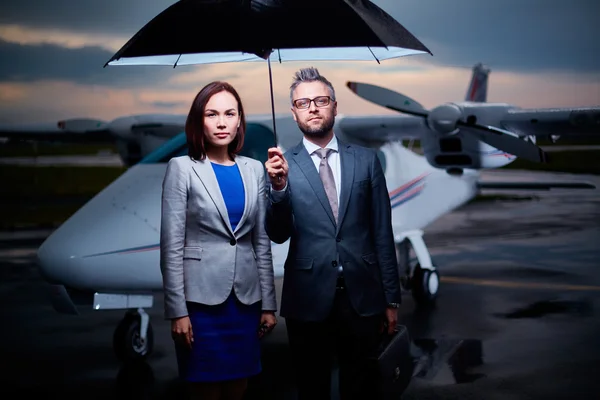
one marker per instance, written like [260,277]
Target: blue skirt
[226,344]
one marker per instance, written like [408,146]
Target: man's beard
[320,130]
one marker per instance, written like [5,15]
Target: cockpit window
[256,143]
[175,147]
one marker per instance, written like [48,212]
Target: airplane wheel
[127,342]
[424,285]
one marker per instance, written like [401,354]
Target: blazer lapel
[207,176]
[307,166]
[248,190]
[347,174]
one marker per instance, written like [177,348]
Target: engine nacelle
[447,146]
[461,151]
[139,135]
[132,151]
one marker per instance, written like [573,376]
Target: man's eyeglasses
[320,101]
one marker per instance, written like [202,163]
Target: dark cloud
[514,35]
[108,16]
[85,66]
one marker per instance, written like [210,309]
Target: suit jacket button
[334,264]
[338,240]
[232,242]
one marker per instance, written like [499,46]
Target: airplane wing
[71,130]
[534,185]
[566,122]
[165,130]
[383,127]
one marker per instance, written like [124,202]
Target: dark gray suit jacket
[363,238]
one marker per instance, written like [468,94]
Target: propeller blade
[387,98]
[505,141]
[495,137]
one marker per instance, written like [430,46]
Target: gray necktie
[328,182]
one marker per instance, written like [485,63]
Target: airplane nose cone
[443,119]
[112,242]
[52,258]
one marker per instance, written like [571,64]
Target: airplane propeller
[448,119]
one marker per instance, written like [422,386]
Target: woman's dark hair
[194,125]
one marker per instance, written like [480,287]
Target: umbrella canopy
[212,31]
[216,31]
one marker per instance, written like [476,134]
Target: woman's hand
[267,323]
[181,330]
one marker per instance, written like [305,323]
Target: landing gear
[424,285]
[133,339]
[417,273]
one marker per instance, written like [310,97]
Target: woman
[215,254]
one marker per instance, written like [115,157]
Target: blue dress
[226,344]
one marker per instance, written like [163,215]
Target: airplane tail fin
[477,91]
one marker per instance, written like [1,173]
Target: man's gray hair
[310,74]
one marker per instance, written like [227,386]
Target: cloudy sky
[542,53]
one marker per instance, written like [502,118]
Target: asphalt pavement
[516,318]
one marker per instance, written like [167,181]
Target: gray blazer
[201,257]
[363,239]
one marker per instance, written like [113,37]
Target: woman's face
[221,119]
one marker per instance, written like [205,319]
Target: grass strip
[30,181]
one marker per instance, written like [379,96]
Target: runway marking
[511,284]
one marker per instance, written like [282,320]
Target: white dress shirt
[334,162]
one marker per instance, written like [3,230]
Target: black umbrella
[213,31]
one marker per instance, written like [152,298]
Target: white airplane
[106,255]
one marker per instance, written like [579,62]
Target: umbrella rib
[374,56]
[174,65]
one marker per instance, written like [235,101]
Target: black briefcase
[393,366]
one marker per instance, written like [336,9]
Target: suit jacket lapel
[307,166]
[248,189]
[207,176]
[347,174]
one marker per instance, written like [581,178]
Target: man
[341,279]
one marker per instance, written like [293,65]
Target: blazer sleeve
[262,246]
[172,238]
[279,221]
[381,219]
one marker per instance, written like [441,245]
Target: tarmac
[516,317]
